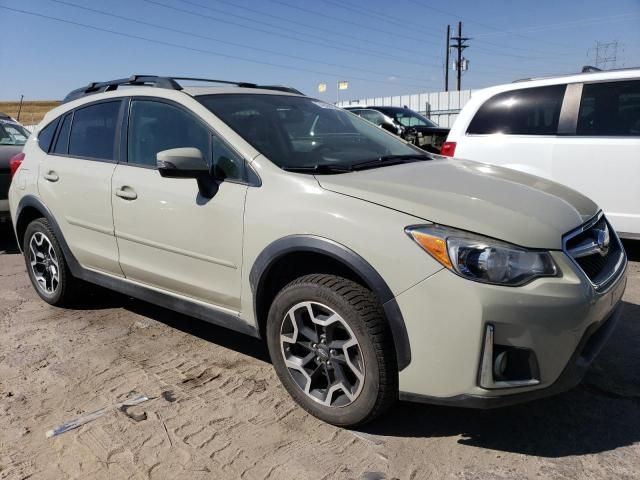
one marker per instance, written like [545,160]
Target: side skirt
[193,309]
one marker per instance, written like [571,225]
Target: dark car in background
[407,124]
[12,138]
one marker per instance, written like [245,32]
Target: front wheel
[332,349]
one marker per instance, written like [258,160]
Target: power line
[348,22]
[307,25]
[281,35]
[217,40]
[198,50]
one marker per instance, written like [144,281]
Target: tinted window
[530,111]
[374,117]
[227,164]
[610,109]
[62,141]
[156,126]
[93,131]
[46,135]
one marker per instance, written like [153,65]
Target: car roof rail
[170,83]
[585,69]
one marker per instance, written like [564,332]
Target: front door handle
[126,193]
[51,176]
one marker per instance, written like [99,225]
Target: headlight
[482,259]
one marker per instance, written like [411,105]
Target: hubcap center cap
[323,352]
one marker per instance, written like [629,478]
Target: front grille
[5,181]
[586,246]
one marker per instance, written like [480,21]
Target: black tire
[69,289]
[361,311]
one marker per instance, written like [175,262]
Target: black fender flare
[316,244]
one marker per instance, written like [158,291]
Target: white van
[580,130]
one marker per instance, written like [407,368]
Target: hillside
[32,112]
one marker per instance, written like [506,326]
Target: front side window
[529,111]
[610,109]
[157,126]
[93,132]
[12,133]
[295,132]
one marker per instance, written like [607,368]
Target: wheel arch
[31,208]
[296,254]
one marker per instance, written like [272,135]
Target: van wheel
[332,349]
[47,266]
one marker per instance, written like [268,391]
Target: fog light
[505,366]
[500,366]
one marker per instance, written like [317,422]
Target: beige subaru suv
[372,270]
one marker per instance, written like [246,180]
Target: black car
[12,137]
[407,124]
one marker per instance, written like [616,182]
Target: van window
[93,131]
[610,109]
[529,111]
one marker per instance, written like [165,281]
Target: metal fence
[441,107]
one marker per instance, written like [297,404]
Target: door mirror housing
[185,162]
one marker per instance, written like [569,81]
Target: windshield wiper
[319,169]
[387,160]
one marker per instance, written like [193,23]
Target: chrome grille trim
[580,251]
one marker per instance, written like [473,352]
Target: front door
[169,236]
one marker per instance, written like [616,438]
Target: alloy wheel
[322,354]
[44,263]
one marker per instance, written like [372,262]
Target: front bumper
[563,320]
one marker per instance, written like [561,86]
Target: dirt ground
[218,410]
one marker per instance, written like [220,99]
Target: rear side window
[62,140]
[610,109]
[45,137]
[93,131]
[530,111]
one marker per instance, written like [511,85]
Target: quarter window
[46,135]
[93,131]
[610,109]
[62,141]
[529,111]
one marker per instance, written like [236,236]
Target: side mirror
[181,163]
[187,162]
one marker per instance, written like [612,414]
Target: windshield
[409,118]
[12,134]
[295,132]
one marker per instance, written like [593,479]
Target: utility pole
[20,107]
[460,46]
[446,61]
[605,54]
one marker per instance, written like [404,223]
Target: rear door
[600,155]
[170,236]
[75,182]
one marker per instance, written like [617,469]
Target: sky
[381,47]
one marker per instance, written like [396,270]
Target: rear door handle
[51,176]
[126,193]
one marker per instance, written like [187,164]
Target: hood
[497,202]
[6,152]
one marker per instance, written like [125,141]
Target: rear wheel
[332,349]
[47,267]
